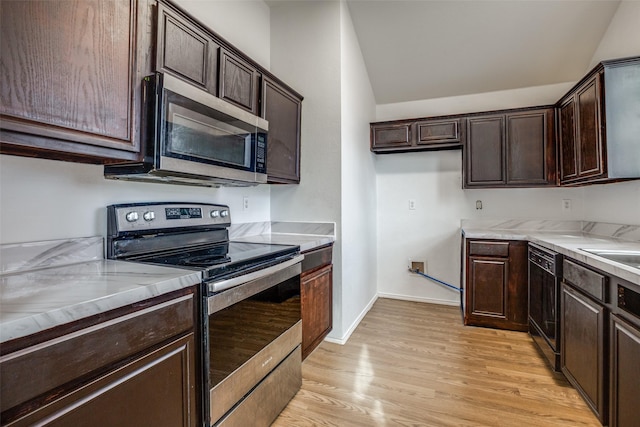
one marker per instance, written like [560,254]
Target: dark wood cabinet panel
[186,51]
[283,110]
[625,373]
[568,166]
[496,284]
[114,366]
[156,389]
[485,150]
[316,298]
[589,148]
[438,131]
[530,150]
[71,76]
[598,125]
[238,82]
[583,341]
[426,134]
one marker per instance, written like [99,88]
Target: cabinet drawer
[500,249]
[594,284]
[38,369]
[316,258]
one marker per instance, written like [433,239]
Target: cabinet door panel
[489,287]
[283,112]
[485,139]
[396,135]
[568,169]
[582,346]
[438,132]
[185,51]
[238,82]
[69,71]
[625,373]
[589,134]
[530,150]
[317,307]
[157,389]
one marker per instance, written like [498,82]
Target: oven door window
[239,332]
[192,131]
[543,303]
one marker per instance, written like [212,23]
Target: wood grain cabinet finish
[109,373]
[186,51]
[282,108]
[496,284]
[514,148]
[238,82]
[583,347]
[71,77]
[437,133]
[625,372]
[316,297]
[598,129]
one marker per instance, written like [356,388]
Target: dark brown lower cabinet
[316,293]
[583,342]
[136,368]
[496,284]
[625,373]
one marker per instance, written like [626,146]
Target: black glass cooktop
[225,260]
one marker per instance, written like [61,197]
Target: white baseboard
[354,325]
[419,299]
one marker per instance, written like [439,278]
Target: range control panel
[138,217]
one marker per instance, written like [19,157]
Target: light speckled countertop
[569,240]
[307,235]
[47,284]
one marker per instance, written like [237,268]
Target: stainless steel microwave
[192,137]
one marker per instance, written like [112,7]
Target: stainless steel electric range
[250,329]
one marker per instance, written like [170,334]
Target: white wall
[305,53]
[44,199]
[622,38]
[358,180]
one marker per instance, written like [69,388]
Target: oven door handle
[241,287]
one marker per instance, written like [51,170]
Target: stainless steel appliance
[545,274]
[250,314]
[192,137]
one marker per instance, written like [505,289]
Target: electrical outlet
[566,205]
[412,204]
[245,203]
[478,204]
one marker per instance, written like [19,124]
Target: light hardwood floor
[415,364]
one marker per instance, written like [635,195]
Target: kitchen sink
[631,258]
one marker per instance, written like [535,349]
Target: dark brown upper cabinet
[599,131]
[436,133]
[511,148]
[186,51]
[282,108]
[71,78]
[239,82]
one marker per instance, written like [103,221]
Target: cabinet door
[487,291]
[238,82]
[438,132]
[582,347]
[186,51]
[530,150]
[568,165]
[625,373]
[71,77]
[316,293]
[282,110]
[589,136]
[390,136]
[156,389]
[485,148]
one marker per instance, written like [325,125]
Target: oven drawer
[262,405]
[586,280]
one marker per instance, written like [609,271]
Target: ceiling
[431,49]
